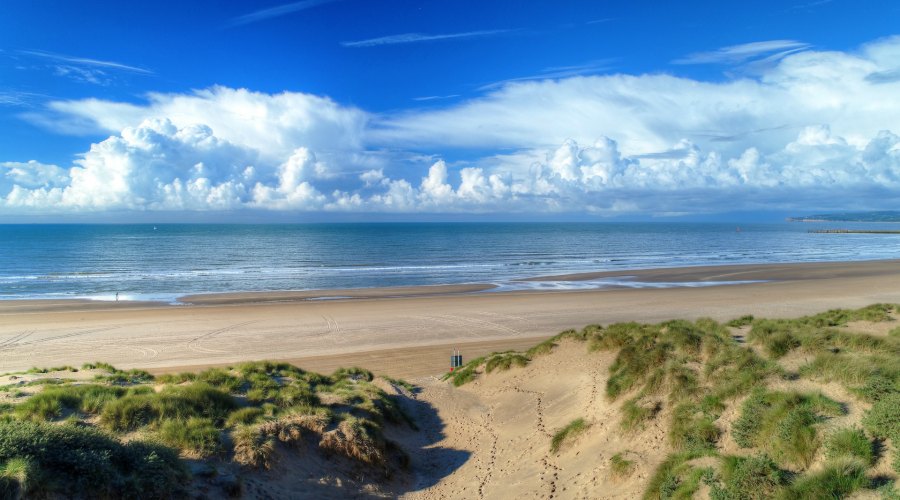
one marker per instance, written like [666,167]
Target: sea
[163,262]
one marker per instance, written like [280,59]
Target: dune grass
[46,460]
[850,443]
[784,424]
[697,370]
[676,478]
[568,433]
[883,422]
[688,372]
[196,434]
[837,479]
[245,413]
[755,477]
[621,467]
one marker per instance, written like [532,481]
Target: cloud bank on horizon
[798,129]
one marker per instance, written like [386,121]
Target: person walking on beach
[117,296]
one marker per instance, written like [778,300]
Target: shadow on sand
[414,463]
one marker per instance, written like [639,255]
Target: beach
[410,331]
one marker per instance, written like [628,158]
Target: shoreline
[672,277]
[411,330]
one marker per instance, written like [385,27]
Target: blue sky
[595,109]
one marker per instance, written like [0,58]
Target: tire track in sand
[193,343]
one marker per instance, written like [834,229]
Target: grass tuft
[620,466]
[783,424]
[568,433]
[837,479]
[849,443]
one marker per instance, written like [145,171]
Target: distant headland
[885,216]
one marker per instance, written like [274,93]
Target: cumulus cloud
[273,124]
[33,174]
[815,130]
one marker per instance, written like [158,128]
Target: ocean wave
[554,285]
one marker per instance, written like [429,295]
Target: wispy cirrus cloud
[84,61]
[434,97]
[422,37]
[16,98]
[737,54]
[80,69]
[557,72]
[277,11]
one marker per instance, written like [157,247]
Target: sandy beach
[409,332]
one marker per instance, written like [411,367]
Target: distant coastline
[883,216]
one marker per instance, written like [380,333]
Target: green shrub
[675,478]
[79,462]
[465,373]
[198,435]
[544,347]
[244,416]
[222,379]
[195,400]
[130,377]
[129,413]
[748,478]
[878,386]
[745,320]
[888,491]
[353,373]
[21,478]
[837,479]
[783,424]
[53,402]
[298,393]
[569,432]
[852,370]
[47,405]
[505,361]
[693,426]
[172,403]
[176,378]
[849,442]
[883,421]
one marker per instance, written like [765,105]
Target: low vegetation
[121,434]
[620,466]
[690,373]
[125,433]
[568,433]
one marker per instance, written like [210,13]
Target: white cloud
[740,53]
[33,174]
[277,11]
[815,130]
[84,61]
[421,37]
[274,124]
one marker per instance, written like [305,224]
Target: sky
[408,109]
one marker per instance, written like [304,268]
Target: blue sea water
[169,260]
